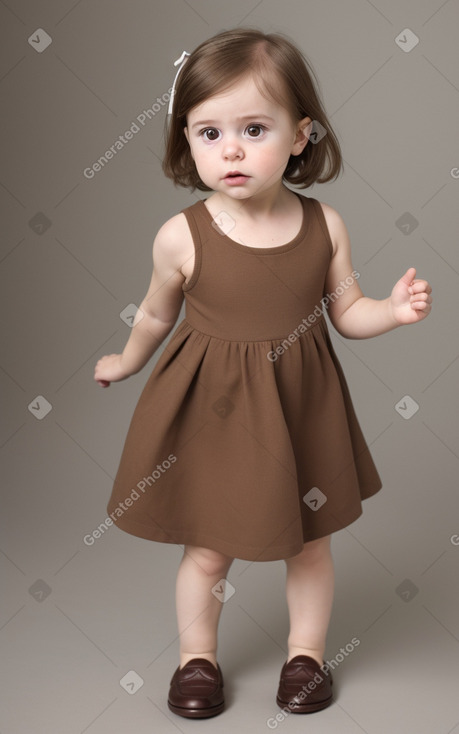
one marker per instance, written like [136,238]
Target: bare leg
[198,610]
[310,586]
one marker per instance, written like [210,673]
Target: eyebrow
[239,119]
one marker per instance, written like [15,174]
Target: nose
[232,150]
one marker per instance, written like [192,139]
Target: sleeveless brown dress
[244,439]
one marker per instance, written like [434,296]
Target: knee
[209,561]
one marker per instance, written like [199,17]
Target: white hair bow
[180,61]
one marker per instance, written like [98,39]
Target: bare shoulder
[173,234]
[336,226]
[173,242]
[165,294]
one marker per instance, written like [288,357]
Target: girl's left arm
[354,315]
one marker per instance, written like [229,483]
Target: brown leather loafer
[304,687]
[196,690]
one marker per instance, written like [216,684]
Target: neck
[260,206]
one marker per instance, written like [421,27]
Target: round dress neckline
[265,250]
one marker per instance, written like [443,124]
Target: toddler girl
[244,442]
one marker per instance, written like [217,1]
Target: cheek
[202,155]
[192,149]
[204,166]
[271,156]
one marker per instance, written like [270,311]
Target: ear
[303,130]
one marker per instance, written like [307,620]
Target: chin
[234,192]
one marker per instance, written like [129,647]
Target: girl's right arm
[158,311]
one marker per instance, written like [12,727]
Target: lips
[235,178]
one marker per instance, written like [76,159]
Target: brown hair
[280,71]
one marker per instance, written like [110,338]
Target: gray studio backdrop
[85,627]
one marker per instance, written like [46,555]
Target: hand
[410,299]
[108,369]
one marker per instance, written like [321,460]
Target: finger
[419,297]
[420,285]
[423,297]
[409,276]
[421,306]
[417,303]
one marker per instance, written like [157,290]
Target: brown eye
[254,131]
[211,134]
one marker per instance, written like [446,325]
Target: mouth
[235,177]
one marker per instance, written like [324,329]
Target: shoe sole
[196,713]
[304,708]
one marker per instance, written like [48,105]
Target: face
[241,142]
